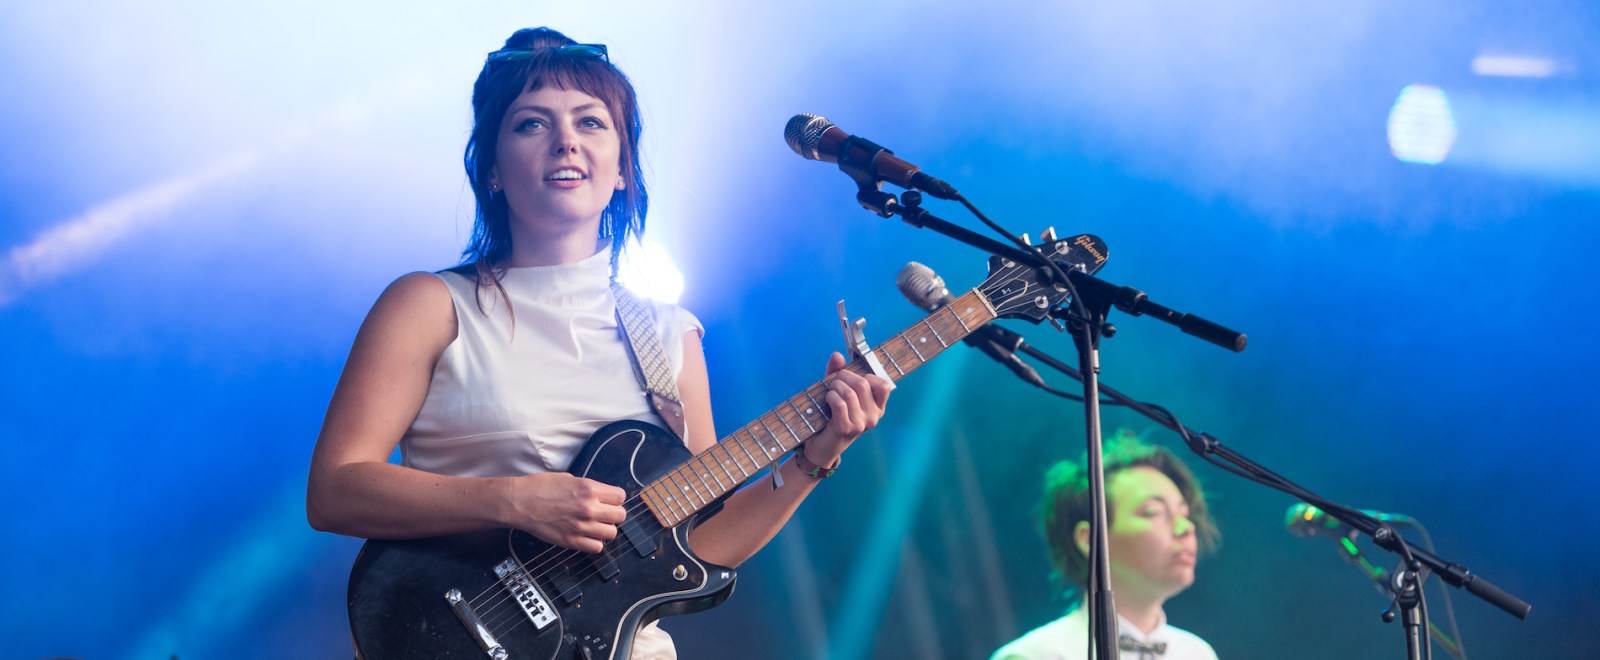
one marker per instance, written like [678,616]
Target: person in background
[1158,524]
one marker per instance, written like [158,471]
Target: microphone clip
[876,200]
[857,158]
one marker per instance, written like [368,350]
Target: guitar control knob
[680,573]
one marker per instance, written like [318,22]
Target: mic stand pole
[1102,608]
[1103,611]
[1413,614]
[1094,298]
[1097,297]
[1408,586]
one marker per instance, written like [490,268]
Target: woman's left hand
[855,403]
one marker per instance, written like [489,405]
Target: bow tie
[1145,651]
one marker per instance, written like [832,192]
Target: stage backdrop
[1396,201]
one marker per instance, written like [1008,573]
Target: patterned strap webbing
[649,361]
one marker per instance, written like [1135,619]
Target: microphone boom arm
[1128,299]
[886,205]
[1382,534]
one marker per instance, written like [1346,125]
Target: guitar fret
[803,417]
[724,463]
[762,447]
[914,350]
[682,513]
[786,427]
[655,498]
[935,332]
[989,312]
[674,507]
[697,485]
[820,409]
[754,462]
[721,487]
[673,497]
[686,486]
[890,355]
[964,327]
[650,502]
[776,442]
[903,348]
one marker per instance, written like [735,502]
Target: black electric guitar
[506,594]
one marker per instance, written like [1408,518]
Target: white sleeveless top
[508,400]
[511,399]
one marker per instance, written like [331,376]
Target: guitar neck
[684,491]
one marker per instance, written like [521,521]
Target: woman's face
[559,160]
[1152,540]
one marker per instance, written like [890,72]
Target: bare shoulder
[415,310]
[418,292]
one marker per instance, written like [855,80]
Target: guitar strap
[650,363]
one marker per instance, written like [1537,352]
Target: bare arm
[753,515]
[354,490]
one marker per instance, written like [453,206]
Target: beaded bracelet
[810,469]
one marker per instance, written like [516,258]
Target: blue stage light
[1421,127]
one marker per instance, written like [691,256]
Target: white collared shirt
[1067,638]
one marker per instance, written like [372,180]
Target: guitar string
[551,557]
[562,554]
[637,504]
[494,617]
[556,555]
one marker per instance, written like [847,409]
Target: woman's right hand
[565,510]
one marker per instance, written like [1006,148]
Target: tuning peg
[1026,240]
[1048,235]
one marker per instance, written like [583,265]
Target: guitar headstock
[1021,292]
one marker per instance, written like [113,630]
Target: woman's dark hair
[532,59]
[1066,502]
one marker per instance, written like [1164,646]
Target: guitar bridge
[480,632]
[523,590]
[527,594]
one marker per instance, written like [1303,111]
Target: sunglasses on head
[595,51]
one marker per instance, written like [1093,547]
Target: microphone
[816,138]
[926,289]
[1305,520]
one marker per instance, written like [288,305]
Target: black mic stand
[1102,609]
[1086,332]
[1093,299]
[1408,598]
[1418,564]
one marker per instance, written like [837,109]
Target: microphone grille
[804,132]
[923,287]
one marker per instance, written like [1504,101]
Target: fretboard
[733,460]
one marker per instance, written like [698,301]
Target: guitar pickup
[605,565]
[566,585]
[527,594]
[643,542]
